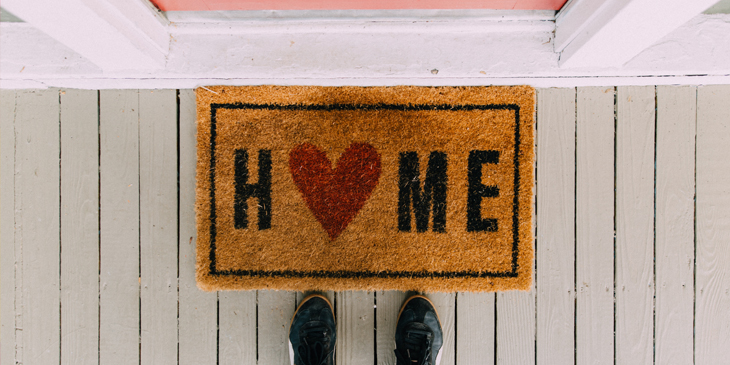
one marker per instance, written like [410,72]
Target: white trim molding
[112,34]
[609,33]
[435,49]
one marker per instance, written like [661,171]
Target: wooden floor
[632,251]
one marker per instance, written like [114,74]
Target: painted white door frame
[122,43]
[608,33]
[113,34]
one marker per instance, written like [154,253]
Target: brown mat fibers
[365,188]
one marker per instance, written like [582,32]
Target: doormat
[365,188]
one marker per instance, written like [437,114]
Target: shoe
[312,333]
[418,335]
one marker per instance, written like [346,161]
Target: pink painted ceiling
[202,5]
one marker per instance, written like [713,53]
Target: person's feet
[418,335]
[312,334]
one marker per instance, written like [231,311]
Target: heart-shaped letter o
[335,195]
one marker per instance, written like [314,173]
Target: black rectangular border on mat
[365,274]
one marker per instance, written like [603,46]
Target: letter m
[432,197]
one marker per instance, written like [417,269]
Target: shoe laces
[315,346]
[417,343]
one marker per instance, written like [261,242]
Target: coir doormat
[365,188]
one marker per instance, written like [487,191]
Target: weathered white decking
[632,251]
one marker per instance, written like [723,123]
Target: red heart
[335,196]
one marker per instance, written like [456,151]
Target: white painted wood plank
[79,227]
[475,328]
[37,189]
[198,309]
[158,224]
[675,190]
[7,226]
[119,173]
[355,328]
[18,248]
[445,304]
[516,327]
[555,226]
[594,225]
[712,316]
[388,304]
[237,318]
[275,311]
[635,137]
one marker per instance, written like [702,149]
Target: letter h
[260,190]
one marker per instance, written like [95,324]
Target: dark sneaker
[312,334]
[418,335]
